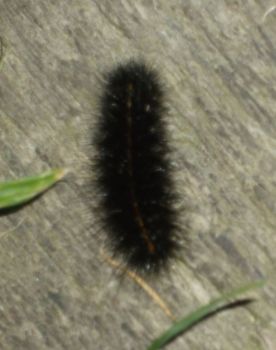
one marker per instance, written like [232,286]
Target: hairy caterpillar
[133,168]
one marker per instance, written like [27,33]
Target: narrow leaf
[17,192]
[202,312]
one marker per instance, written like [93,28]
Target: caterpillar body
[133,167]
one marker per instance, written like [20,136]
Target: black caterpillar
[133,168]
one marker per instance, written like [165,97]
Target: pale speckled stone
[217,60]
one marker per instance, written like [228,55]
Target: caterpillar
[133,168]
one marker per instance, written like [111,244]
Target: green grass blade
[17,192]
[202,312]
